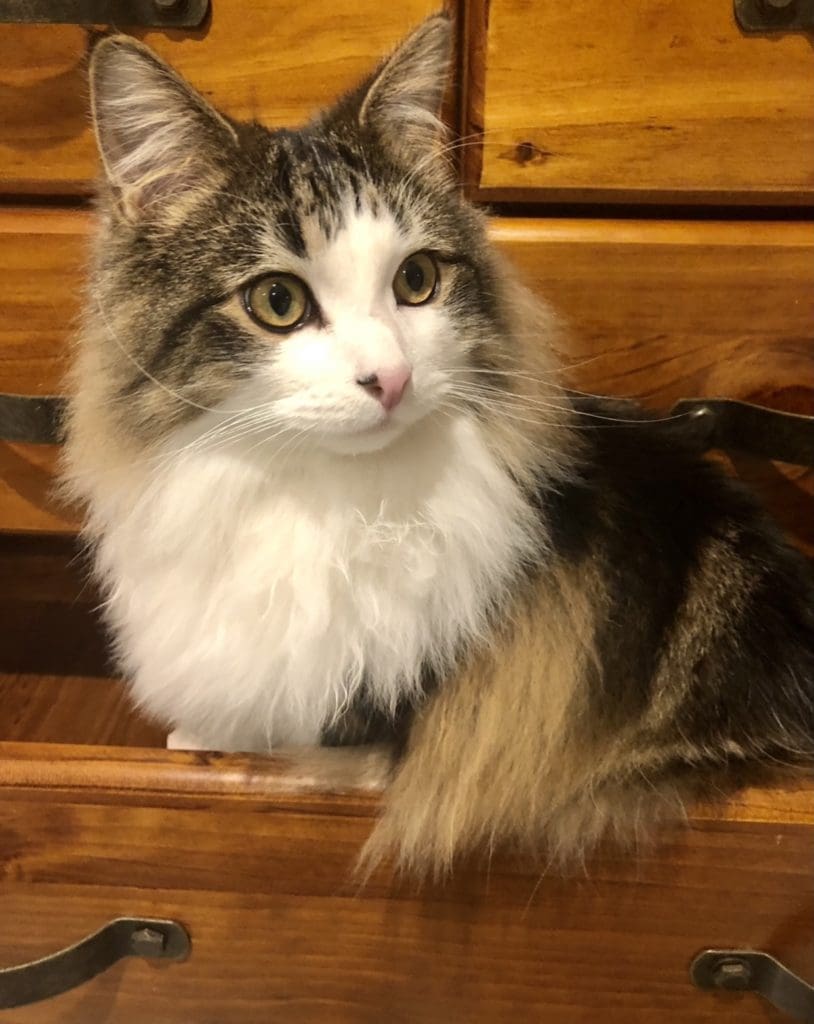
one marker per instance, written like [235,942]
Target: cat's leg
[179,739]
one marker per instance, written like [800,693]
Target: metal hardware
[740,426]
[141,13]
[775,15]
[126,936]
[717,423]
[31,420]
[745,970]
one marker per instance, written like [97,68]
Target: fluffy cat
[335,494]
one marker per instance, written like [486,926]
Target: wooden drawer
[43,255]
[660,311]
[657,310]
[652,101]
[278,63]
[254,857]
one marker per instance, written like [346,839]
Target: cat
[337,493]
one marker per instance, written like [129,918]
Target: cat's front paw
[178,739]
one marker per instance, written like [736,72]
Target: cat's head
[327,282]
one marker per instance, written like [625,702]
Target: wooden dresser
[650,167]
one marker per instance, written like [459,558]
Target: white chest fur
[250,595]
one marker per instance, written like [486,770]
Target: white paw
[180,740]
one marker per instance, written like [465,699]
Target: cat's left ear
[401,103]
[162,145]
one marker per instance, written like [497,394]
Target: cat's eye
[278,302]
[416,280]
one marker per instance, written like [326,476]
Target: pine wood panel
[665,310]
[657,310]
[275,62]
[27,501]
[43,253]
[660,310]
[263,885]
[72,709]
[647,101]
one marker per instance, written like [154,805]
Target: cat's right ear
[401,102]
[160,142]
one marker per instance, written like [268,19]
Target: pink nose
[387,386]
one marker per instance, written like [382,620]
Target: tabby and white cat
[335,492]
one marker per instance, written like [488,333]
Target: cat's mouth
[372,437]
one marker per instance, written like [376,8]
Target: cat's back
[702,606]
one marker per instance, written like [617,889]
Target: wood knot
[526,152]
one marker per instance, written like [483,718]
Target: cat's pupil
[280,299]
[414,276]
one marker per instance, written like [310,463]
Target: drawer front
[649,101]
[657,310]
[261,880]
[43,253]
[665,310]
[277,63]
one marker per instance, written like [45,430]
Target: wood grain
[27,499]
[278,927]
[43,253]
[72,709]
[645,102]
[664,310]
[277,63]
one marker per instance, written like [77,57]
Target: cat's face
[326,285]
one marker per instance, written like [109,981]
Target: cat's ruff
[253,592]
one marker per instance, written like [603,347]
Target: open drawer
[254,857]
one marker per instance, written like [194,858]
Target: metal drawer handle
[142,13]
[744,970]
[775,15]
[741,426]
[126,936]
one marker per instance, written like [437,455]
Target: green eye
[416,280]
[280,302]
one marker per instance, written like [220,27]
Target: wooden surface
[660,310]
[27,501]
[665,310]
[278,63]
[263,883]
[657,310]
[43,253]
[643,102]
[255,857]
[72,709]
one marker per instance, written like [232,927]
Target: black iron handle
[741,426]
[31,419]
[746,970]
[132,13]
[59,972]
[763,16]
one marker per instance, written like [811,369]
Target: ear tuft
[402,103]
[160,141]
